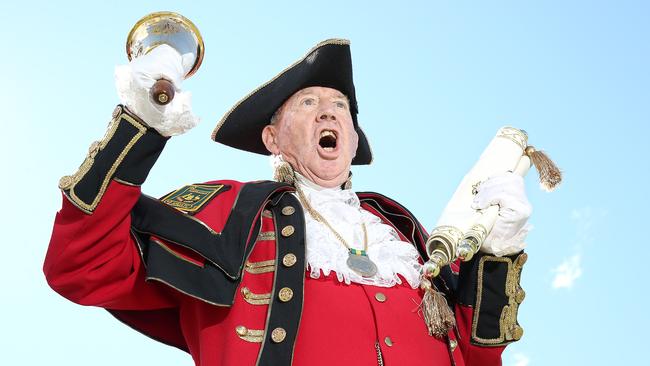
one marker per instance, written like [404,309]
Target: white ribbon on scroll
[459,222]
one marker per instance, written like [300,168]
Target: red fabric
[340,324]
[210,331]
[92,260]
[474,355]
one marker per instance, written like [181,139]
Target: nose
[326,116]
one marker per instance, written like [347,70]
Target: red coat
[227,282]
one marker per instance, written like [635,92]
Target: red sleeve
[93,259]
[474,355]
[489,295]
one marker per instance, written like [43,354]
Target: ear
[355,144]
[269,134]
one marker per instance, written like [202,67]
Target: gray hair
[275,116]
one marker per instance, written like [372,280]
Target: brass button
[288,210]
[520,295]
[241,330]
[285,294]
[388,341]
[380,297]
[288,231]
[278,335]
[289,260]
[453,344]
[246,292]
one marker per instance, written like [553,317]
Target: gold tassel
[284,173]
[436,312]
[550,175]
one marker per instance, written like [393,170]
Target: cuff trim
[68,182]
[509,328]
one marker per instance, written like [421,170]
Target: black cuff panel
[127,152]
[143,155]
[491,286]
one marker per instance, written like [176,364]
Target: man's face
[314,133]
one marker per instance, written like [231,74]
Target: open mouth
[327,140]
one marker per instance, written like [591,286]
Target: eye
[308,101]
[341,104]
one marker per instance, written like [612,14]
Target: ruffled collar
[326,254]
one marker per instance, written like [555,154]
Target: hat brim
[328,64]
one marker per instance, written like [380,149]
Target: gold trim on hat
[332,41]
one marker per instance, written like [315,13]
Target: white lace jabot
[341,208]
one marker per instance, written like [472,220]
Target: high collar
[306,183]
[318,195]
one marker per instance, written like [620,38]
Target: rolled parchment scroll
[461,230]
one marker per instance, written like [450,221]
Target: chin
[332,175]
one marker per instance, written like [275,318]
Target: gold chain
[318,217]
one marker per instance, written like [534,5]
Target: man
[218,269]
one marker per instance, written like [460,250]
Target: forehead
[319,91]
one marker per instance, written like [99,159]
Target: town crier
[296,271]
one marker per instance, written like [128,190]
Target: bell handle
[162,92]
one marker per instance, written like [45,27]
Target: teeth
[327,133]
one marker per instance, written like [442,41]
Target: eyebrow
[308,92]
[303,92]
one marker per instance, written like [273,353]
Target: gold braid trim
[260,267]
[250,335]
[255,299]
[519,137]
[266,235]
[334,41]
[509,329]
[69,182]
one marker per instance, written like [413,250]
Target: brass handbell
[173,29]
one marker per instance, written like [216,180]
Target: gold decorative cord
[318,217]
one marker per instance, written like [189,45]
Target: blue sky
[435,80]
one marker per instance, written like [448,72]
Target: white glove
[134,82]
[510,229]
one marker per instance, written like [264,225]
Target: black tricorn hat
[328,64]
